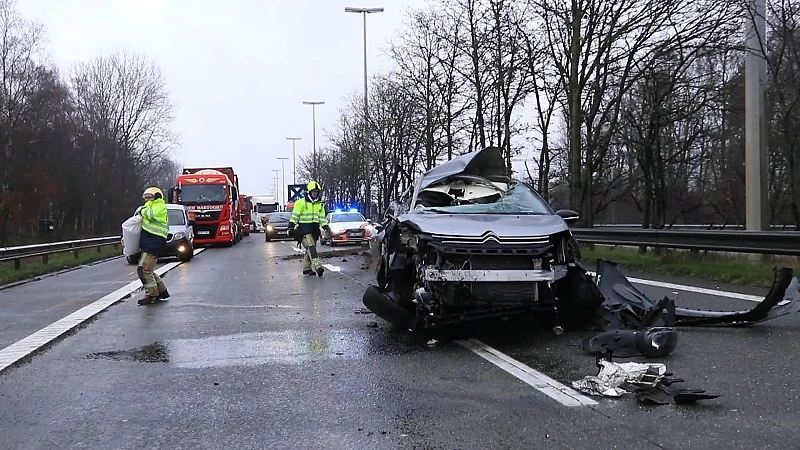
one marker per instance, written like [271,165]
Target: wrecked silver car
[468,243]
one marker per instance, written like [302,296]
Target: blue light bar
[353,209]
[338,210]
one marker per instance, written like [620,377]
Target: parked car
[348,227]
[180,240]
[277,225]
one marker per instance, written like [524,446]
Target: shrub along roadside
[31,267]
[747,270]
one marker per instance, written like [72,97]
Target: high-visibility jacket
[155,219]
[308,215]
[307,211]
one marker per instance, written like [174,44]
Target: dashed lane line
[37,340]
[539,381]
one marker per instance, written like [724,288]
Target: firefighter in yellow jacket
[155,228]
[308,216]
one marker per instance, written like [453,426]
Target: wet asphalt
[249,353]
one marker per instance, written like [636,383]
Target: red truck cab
[211,196]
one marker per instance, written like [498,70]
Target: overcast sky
[237,70]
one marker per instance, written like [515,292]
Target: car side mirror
[369,221]
[569,216]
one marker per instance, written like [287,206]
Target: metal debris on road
[649,382]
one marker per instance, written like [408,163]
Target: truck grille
[207,215]
[205,231]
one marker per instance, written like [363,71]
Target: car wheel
[186,257]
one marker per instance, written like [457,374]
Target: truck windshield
[203,194]
[266,208]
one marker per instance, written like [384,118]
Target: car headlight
[269,228]
[179,235]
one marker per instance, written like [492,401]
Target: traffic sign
[296,192]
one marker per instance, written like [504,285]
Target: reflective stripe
[308,212]
[156,228]
[155,217]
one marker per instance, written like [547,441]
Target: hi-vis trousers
[311,259]
[153,285]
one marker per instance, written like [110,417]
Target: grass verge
[31,267]
[747,270]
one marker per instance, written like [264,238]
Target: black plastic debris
[652,342]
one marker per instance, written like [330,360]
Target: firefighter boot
[316,263]
[163,295]
[148,300]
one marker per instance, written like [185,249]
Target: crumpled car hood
[487,163]
[476,225]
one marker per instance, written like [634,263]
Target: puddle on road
[153,353]
[252,349]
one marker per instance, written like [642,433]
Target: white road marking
[539,381]
[35,341]
[330,267]
[694,289]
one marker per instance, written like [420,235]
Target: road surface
[249,353]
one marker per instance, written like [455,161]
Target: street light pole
[755,123]
[277,194]
[294,159]
[368,193]
[283,173]
[314,134]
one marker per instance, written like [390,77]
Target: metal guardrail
[738,241]
[17,254]
[697,226]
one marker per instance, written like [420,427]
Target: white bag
[131,232]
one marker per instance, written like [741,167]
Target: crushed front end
[465,278]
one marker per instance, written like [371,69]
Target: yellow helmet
[153,192]
[313,186]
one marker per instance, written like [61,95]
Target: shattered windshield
[519,199]
[203,194]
